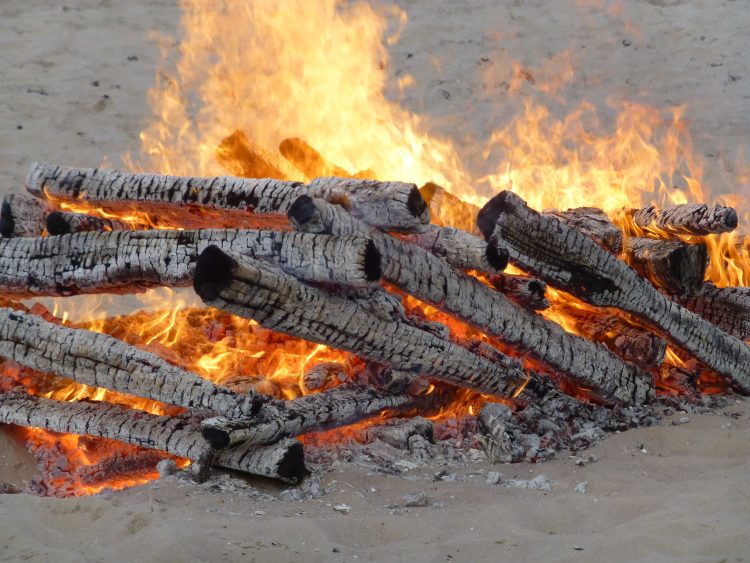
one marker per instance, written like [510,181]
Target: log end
[292,465]
[56,224]
[730,218]
[416,203]
[503,202]
[213,273]
[373,263]
[7,224]
[497,257]
[217,437]
[303,212]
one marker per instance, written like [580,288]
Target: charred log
[530,293]
[570,261]
[594,223]
[308,160]
[673,265]
[21,216]
[66,222]
[726,307]
[242,157]
[688,218]
[448,210]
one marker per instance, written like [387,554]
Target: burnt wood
[22,216]
[687,218]
[66,222]
[594,223]
[526,291]
[676,266]
[726,307]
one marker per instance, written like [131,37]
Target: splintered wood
[340,259]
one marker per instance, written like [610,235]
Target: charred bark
[66,222]
[673,265]
[570,261]
[594,223]
[22,216]
[688,218]
[430,279]
[530,293]
[726,307]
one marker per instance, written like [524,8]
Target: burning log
[460,249]
[22,216]
[688,219]
[570,261]
[448,210]
[594,223]
[311,163]
[66,222]
[283,304]
[98,360]
[673,265]
[323,375]
[129,261]
[173,435]
[630,342]
[430,279]
[726,307]
[338,406]
[242,157]
[225,201]
[530,293]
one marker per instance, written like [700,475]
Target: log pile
[342,260]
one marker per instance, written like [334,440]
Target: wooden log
[242,157]
[726,307]
[448,210]
[687,219]
[305,158]
[99,360]
[460,249]
[224,201]
[66,222]
[281,303]
[130,261]
[528,292]
[22,216]
[594,223]
[338,406]
[430,279]
[494,420]
[568,260]
[628,341]
[322,376]
[673,265]
[173,435]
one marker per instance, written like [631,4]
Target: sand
[73,90]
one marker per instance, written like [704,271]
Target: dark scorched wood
[530,293]
[726,307]
[594,223]
[673,265]
[22,216]
[688,218]
[66,222]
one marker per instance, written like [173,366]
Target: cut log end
[292,467]
[487,217]
[213,273]
[373,263]
[7,224]
[217,437]
[416,204]
[56,224]
[497,257]
[302,212]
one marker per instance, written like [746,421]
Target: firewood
[572,262]
[130,261]
[528,292]
[673,265]
[337,406]
[66,222]
[322,376]
[173,435]
[305,158]
[594,223]
[428,278]
[687,218]
[99,360]
[22,216]
[628,341]
[494,420]
[244,158]
[448,210]
[224,201]
[460,249]
[247,288]
[726,307]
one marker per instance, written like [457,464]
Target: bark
[22,216]
[726,307]
[594,223]
[282,303]
[242,157]
[173,435]
[448,210]
[66,222]
[99,360]
[688,218]
[130,261]
[460,249]
[630,342]
[570,261]
[530,293]
[224,201]
[305,158]
[430,279]
[673,265]
[339,406]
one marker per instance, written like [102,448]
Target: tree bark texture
[726,307]
[594,223]
[688,219]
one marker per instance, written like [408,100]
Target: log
[528,292]
[223,201]
[430,279]
[242,157]
[338,406]
[594,223]
[460,249]
[282,303]
[726,307]
[322,376]
[99,360]
[494,420]
[173,435]
[308,160]
[687,219]
[448,210]
[628,341]
[130,261]
[22,216]
[66,222]
[673,265]
[572,262]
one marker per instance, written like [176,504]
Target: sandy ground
[73,90]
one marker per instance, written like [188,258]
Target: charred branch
[688,218]
[594,223]
[726,307]
[673,265]
[66,222]
[530,293]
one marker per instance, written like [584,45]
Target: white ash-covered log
[673,265]
[567,259]
[22,216]
[687,218]
[726,307]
